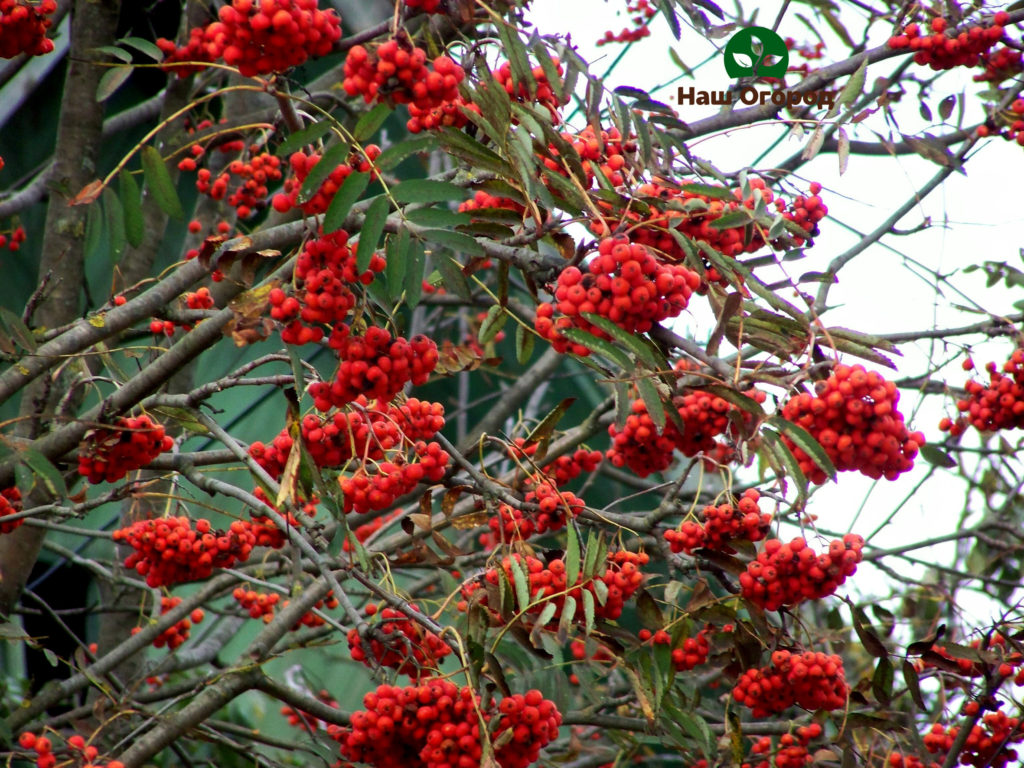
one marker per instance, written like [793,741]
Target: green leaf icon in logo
[743,43]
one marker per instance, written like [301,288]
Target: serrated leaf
[427,191]
[708,190]
[601,346]
[524,344]
[143,46]
[348,193]
[520,582]
[159,183]
[935,455]
[855,85]
[572,555]
[131,203]
[369,235]
[633,342]
[397,257]
[566,620]
[299,139]
[464,147]
[806,443]
[588,611]
[42,468]
[438,217]
[492,324]
[543,431]
[370,122]
[457,241]
[452,276]
[414,274]
[913,681]
[112,79]
[18,330]
[518,58]
[843,150]
[881,682]
[655,407]
[780,451]
[331,159]
[116,238]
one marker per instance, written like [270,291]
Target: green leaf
[457,241]
[708,190]
[370,122]
[572,554]
[330,160]
[524,343]
[741,401]
[116,237]
[651,398]
[93,232]
[518,58]
[350,191]
[871,642]
[632,341]
[542,432]
[588,611]
[131,203]
[881,682]
[806,443]
[111,80]
[397,257]
[543,57]
[935,455]
[492,323]
[369,235]
[913,682]
[452,276]
[160,184]
[854,87]
[396,153]
[465,147]
[426,191]
[566,620]
[19,330]
[520,581]
[299,139]
[783,455]
[601,346]
[44,470]
[143,46]
[732,220]
[414,274]
[438,217]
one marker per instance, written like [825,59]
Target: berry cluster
[624,283]
[84,754]
[809,680]
[170,551]
[988,743]
[248,180]
[258,37]
[690,654]
[396,72]
[408,647]
[482,200]
[791,752]
[375,365]
[694,215]
[562,470]
[449,114]
[608,151]
[425,6]
[200,299]
[437,725]
[644,449]
[301,719]
[544,95]
[302,163]
[260,605]
[16,238]
[943,49]
[722,524]
[23,28]
[547,582]
[999,65]
[365,490]
[1000,405]
[1011,664]
[853,416]
[177,633]
[10,504]
[512,524]
[109,453]
[644,13]
[786,574]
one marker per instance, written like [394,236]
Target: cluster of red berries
[853,416]
[260,605]
[1000,405]
[16,238]
[23,28]
[85,755]
[396,72]
[408,647]
[249,180]
[109,453]
[170,551]
[942,50]
[258,36]
[1010,125]
[608,151]
[544,95]
[645,12]
[1011,663]
[690,654]
[562,470]
[301,719]
[987,745]
[624,283]
[200,299]
[791,752]
[10,504]
[786,574]
[547,582]
[482,200]
[324,271]
[425,6]
[694,215]
[722,524]
[177,633]
[436,724]
[999,65]
[640,446]
[375,365]
[450,114]
[512,524]
[302,163]
[809,680]
[375,489]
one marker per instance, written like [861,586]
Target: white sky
[974,218]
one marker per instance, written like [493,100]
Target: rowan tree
[382,384]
